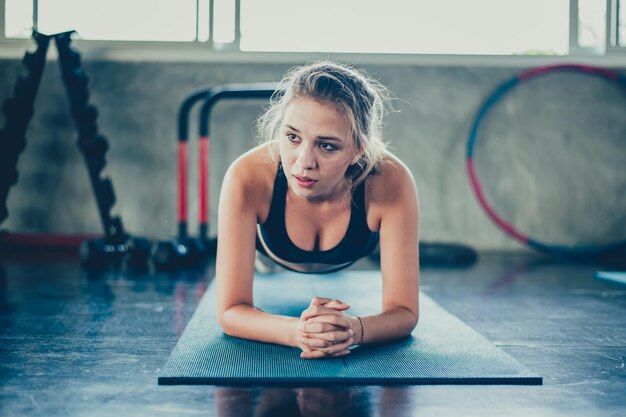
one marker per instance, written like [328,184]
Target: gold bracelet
[362,330]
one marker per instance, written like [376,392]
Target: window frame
[210,51]
[612,46]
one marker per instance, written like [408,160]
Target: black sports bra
[273,240]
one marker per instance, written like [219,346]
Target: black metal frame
[210,97]
[19,111]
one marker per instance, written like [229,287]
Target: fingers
[323,340]
[313,342]
[333,337]
[323,324]
[305,348]
[318,311]
[336,348]
[317,301]
[316,354]
[309,327]
[331,351]
[329,302]
[325,330]
[341,321]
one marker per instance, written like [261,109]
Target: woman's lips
[304,182]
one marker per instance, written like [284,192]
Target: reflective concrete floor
[79,344]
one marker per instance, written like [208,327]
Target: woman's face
[316,149]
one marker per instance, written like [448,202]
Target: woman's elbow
[412,320]
[225,321]
[229,317]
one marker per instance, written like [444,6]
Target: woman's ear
[357,155]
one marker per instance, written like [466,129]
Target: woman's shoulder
[391,193]
[257,164]
[253,173]
[393,177]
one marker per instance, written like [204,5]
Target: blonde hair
[362,99]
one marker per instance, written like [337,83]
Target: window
[476,27]
[591,23]
[489,27]
[620,14]
[119,20]
[18,20]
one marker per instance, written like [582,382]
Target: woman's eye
[292,137]
[327,147]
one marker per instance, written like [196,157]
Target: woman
[320,192]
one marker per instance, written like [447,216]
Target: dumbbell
[115,253]
[179,253]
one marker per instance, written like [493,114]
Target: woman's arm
[396,202]
[242,189]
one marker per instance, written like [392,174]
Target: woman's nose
[306,157]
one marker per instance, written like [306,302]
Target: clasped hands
[324,329]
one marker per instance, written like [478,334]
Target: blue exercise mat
[441,350]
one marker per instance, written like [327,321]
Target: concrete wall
[551,155]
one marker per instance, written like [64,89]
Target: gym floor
[75,343]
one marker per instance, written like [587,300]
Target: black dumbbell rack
[19,110]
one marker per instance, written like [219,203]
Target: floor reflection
[184,288]
[309,402]
[357,401]
[186,294]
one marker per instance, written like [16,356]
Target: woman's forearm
[391,324]
[248,322]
